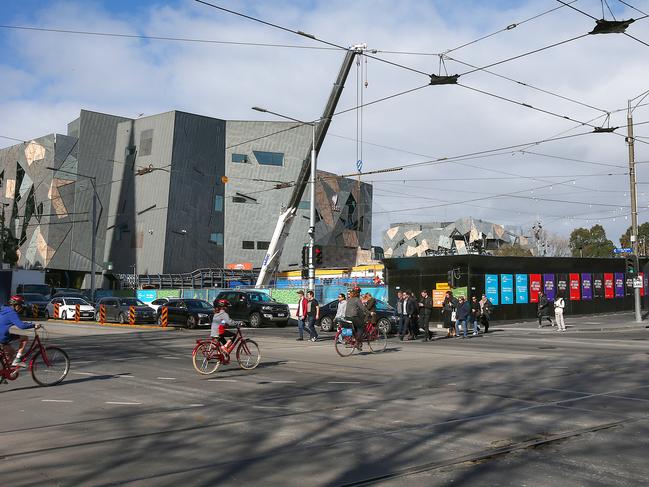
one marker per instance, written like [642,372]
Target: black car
[191,313]
[386,316]
[32,300]
[255,308]
[117,309]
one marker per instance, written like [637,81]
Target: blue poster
[507,288]
[146,295]
[491,288]
[521,289]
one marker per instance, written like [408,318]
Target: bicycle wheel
[345,346]
[248,354]
[377,340]
[206,358]
[51,367]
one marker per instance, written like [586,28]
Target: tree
[548,244]
[512,251]
[590,243]
[643,238]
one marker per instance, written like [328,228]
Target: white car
[67,308]
[155,304]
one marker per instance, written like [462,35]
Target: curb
[116,325]
[581,330]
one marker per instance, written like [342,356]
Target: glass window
[248,244]
[130,302]
[304,205]
[240,158]
[269,158]
[218,202]
[263,245]
[216,238]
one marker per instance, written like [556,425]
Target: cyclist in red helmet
[220,322]
[8,318]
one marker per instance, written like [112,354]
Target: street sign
[623,250]
[637,282]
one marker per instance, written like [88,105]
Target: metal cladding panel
[197,167]
[136,232]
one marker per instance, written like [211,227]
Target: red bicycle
[48,365]
[209,354]
[345,342]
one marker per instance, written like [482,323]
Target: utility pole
[634,206]
[2,236]
[312,213]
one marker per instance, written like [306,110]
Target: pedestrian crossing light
[632,265]
[305,256]
[450,277]
[317,254]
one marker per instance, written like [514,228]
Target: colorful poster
[507,288]
[609,285]
[548,285]
[146,295]
[438,297]
[598,286]
[629,285]
[575,294]
[586,287]
[521,288]
[535,287]
[491,288]
[619,285]
[644,283]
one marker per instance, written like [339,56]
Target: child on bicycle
[8,318]
[220,323]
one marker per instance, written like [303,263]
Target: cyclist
[220,323]
[357,314]
[8,318]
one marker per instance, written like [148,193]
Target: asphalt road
[515,407]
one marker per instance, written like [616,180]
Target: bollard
[77,312]
[57,310]
[102,314]
[131,315]
[35,310]
[164,316]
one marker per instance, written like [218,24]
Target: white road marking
[83,361]
[125,376]
[343,382]
[83,373]
[171,357]
[222,380]
[283,381]
[166,378]
[56,400]
[196,405]
[124,403]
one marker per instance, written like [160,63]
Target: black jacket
[544,306]
[427,305]
[411,306]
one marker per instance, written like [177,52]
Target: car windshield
[75,301]
[130,302]
[383,306]
[36,288]
[198,303]
[34,297]
[261,298]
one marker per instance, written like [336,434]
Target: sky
[578,180]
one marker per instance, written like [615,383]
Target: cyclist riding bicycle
[8,318]
[220,323]
[357,314]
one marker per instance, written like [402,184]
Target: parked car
[386,316]
[70,293]
[191,313]
[156,303]
[32,299]
[118,309]
[255,308]
[67,307]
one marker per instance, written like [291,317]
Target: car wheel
[282,324]
[192,322]
[326,323]
[64,315]
[122,318]
[385,326]
[255,320]
[160,320]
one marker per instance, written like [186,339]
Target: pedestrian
[401,315]
[340,311]
[559,306]
[301,314]
[463,315]
[425,310]
[312,315]
[544,309]
[449,307]
[410,308]
[486,307]
[475,314]
[370,306]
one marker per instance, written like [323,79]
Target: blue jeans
[476,328]
[300,328]
[310,320]
[457,326]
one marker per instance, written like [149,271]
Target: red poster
[574,287]
[641,274]
[535,287]
[609,283]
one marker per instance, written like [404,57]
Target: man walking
[410,308]
[401,314]
[462,317]
[301,315]
[559,306]
[312,315]
[475,314]
[425,310]
[544,309]
[486,308]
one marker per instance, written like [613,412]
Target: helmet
[221,303]
[13,300]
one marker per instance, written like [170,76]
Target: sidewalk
[589,323]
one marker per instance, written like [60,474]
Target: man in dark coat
[425,310]
[544,309]
[410,307]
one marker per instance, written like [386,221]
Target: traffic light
[450,278]
[317,254]
[305,274]
[305,256]
[631,265]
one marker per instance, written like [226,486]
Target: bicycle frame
[11,372]
[238,341]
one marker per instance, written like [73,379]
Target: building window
[269,158]
[242,158]
[216,238]
[248,245]
[304,205]
[263,245]
[146,142]
[218,203]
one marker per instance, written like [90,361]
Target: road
[515,407]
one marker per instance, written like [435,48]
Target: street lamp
[95,198]
[312,183]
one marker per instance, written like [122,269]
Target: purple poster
[548,286]
[619,285]
[586,287]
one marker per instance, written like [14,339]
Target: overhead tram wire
[634,8]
